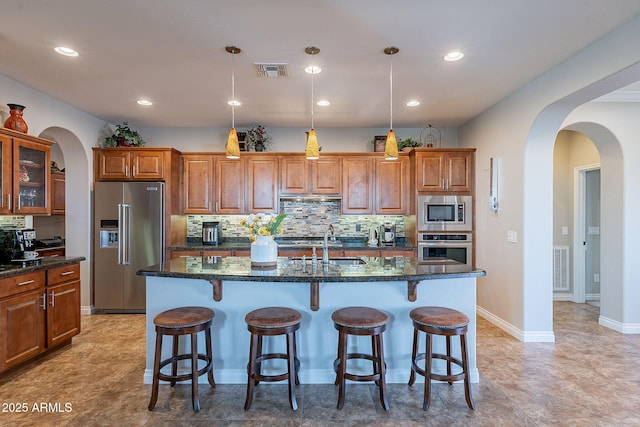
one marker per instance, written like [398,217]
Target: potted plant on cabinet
[408,143]
[124,136]
[258,138]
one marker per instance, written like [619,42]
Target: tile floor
[589,377]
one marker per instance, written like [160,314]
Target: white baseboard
[524,336]
[86,310]
[624,328]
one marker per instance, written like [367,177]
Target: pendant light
[233,147]
[312,149]
[391,145]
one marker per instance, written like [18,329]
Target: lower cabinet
[38,311]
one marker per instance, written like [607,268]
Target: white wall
[520,130]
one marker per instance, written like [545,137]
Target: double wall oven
[445,228]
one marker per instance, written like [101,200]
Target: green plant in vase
[124,136]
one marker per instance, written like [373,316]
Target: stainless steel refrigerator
[128,234]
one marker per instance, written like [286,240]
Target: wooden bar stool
[446,322]
[360,321]
[177,322]
[271,321]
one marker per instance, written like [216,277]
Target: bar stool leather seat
[178,322]
[445,322]
[360,321]
[272,321]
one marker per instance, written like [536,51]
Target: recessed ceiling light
[413,103]
[454,55]
[323,103]
[312,69]
[66,51]
[234,103]
[144,102]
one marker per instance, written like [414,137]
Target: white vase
[264,252]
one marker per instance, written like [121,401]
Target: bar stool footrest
[274,378]
[358,377]
[439,377]
[184,377]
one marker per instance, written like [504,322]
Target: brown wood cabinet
[372,185]
[197,184]
[302,176]
[357,185]
[262,184]
[58,203]
[444,170]
[38,311]
[63,299]
[132,164]
[26,174]
[391,189]
[229,185]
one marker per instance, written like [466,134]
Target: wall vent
[272,69]
[561,268]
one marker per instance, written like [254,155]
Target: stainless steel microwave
[445,213]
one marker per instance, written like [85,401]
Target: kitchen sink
[335,260]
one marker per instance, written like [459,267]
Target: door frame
[579,225]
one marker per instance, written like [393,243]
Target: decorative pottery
[15,120]
[264,252]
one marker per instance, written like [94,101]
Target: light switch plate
[565,230]
[512,236]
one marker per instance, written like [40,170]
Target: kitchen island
[232,288]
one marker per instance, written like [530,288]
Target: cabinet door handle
[9,201]
[26,282]
[53,299]
[44,301]
[66,273]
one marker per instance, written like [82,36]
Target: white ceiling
[173,53]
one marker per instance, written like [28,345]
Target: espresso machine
[387,236]
[14,242]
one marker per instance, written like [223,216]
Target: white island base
[317,339]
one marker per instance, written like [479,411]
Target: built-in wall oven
[457,247]
[445,213]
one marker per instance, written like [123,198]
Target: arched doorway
[78,204]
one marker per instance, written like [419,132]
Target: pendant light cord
[233,92]
[313,71]
[391,92]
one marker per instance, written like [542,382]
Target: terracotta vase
[15,120]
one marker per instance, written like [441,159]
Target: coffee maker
[211,233]
[14,242]
[387,234]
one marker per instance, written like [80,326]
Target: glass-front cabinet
[26,174]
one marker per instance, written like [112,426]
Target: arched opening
[77,224]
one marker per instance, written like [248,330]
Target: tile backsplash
[12,221]
[304,219]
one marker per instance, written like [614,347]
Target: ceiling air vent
[272,69]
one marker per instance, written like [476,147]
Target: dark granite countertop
[291,270]
[16,269]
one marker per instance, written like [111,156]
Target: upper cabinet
[132,164]
[213,184]
[262,184]
[392,186]
[26,174]
[444,170]
[301,176]
[58,204]
[373,185]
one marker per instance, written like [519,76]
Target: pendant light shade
[391,145]
[312,150]
[232,149]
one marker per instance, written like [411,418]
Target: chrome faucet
[331,230]
[325,247]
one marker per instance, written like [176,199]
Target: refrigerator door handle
[125,235]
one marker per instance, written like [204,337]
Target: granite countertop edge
[239,269]
[47,263]
[360,245]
